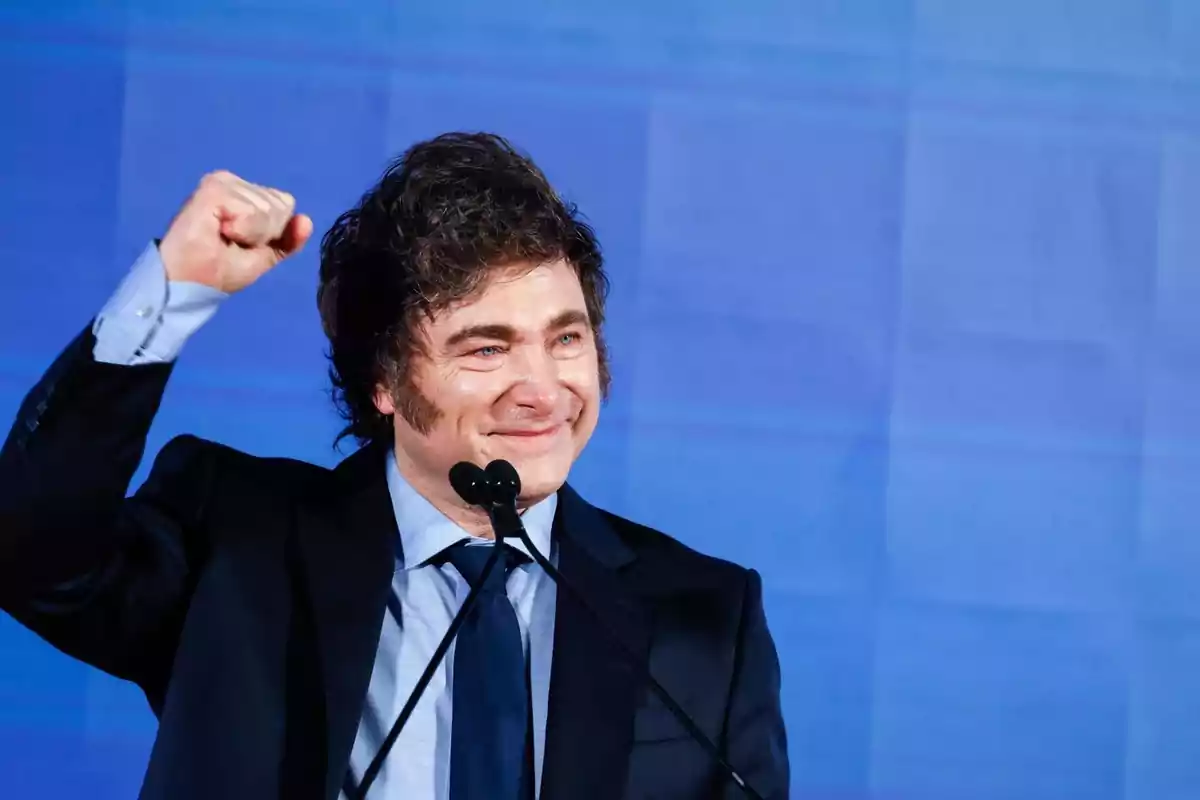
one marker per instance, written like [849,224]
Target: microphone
[504,485]
[503,480]
[470,482]
[472,485]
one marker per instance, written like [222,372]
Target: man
[277,614]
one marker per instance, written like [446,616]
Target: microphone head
[471,483]
[504,481]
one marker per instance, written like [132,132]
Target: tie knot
[470,559]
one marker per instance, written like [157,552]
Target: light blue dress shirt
[148,320]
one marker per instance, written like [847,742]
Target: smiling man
[277,615]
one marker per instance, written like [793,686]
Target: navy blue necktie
[489,728]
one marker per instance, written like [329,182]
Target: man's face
[512,373]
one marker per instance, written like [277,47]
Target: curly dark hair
[443,216]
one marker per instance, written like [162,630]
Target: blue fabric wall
[917,279]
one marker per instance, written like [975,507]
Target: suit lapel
[593,689]
[347,552]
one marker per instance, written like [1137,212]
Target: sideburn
[415,408]
[411,404]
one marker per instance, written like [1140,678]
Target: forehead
[522,296]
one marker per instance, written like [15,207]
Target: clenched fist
[230,232]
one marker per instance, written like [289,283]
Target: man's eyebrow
[569,318]
[504,333]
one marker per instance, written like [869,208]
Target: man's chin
[540,478]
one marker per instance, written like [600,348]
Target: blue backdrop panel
[916,280]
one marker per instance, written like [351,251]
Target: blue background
[916,278]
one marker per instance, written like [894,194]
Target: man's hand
[230,232]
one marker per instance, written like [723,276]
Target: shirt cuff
[149,319]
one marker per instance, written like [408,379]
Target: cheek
[583,380]
[582,375]
[470,395]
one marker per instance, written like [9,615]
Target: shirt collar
[425,531]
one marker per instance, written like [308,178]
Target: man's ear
[383,401]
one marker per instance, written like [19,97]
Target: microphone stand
[506,523]
[376,765]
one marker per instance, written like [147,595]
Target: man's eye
[488,351]
[569,338]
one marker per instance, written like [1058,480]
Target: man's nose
[537,386]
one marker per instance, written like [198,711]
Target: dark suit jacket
[245,596]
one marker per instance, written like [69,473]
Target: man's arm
[86,420]
[97,575]
[755,739]
[100,576]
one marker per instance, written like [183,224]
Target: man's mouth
[529,433]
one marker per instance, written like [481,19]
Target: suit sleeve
[99,575]
[755,739]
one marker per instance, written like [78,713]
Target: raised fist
[230,232]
